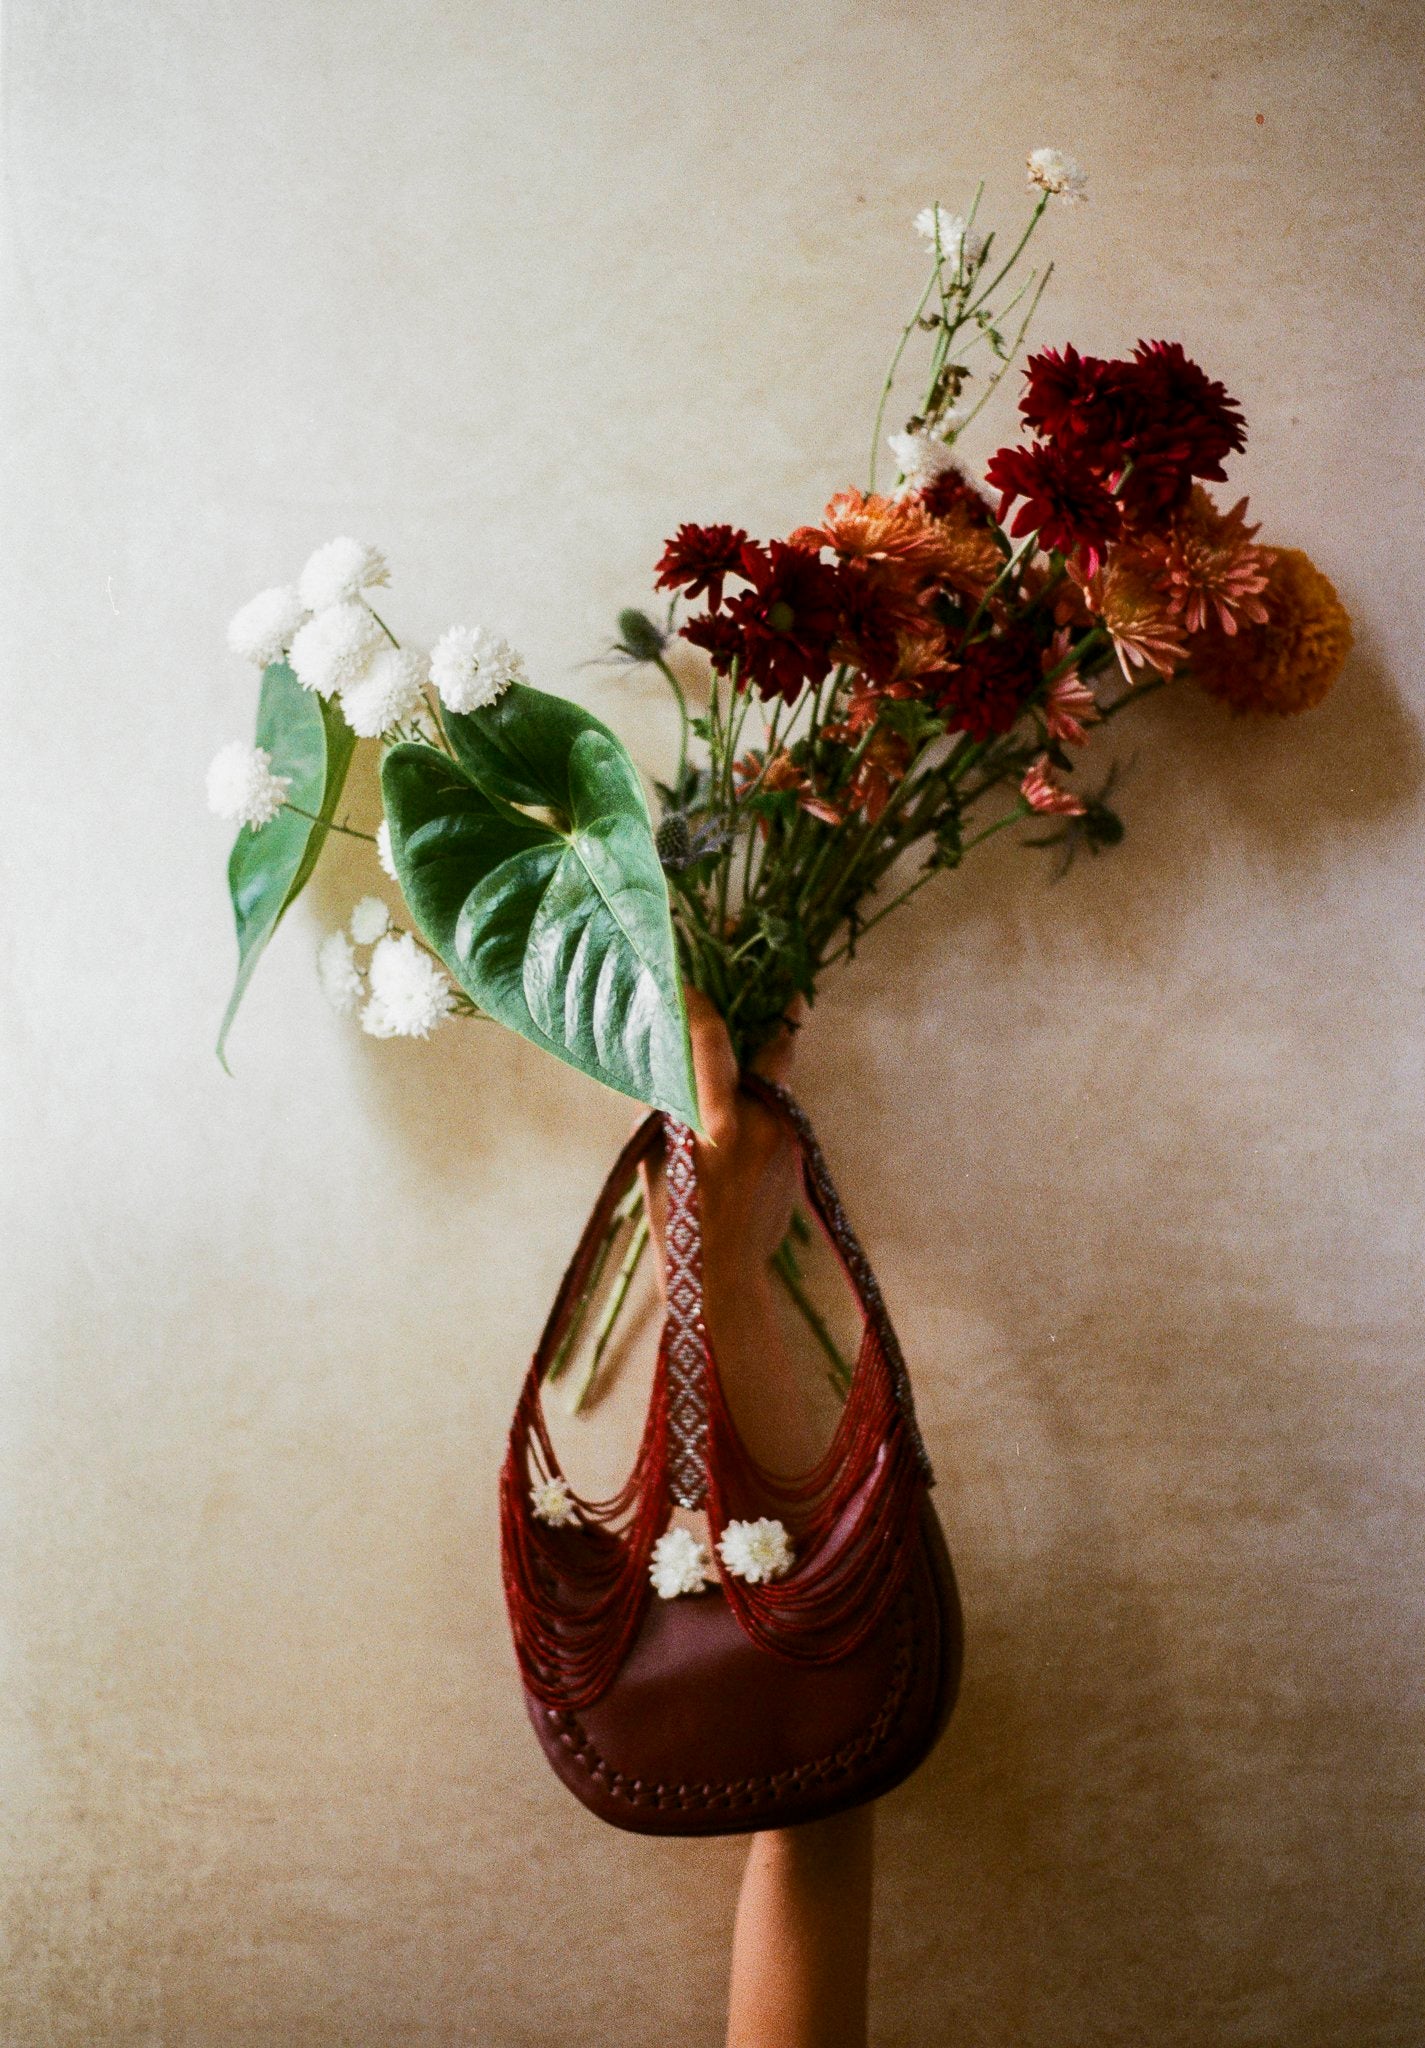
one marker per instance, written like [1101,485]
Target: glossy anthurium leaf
[558,923]
[310,742]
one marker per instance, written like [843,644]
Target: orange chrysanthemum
[880,769]
[970,558]
[1138,614]
[1208,565]
[1289,661]
[866,527]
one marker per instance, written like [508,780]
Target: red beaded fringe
[576,1594]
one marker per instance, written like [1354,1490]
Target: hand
[748,1165]
[749,1178]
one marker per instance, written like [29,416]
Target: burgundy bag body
[743,1706]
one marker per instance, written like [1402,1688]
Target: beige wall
[510,289]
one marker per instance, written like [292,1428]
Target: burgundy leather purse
[752,1703]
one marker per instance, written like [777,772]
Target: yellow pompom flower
[1287,663]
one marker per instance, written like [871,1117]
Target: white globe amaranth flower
[383,850]
[472,667]
[1054,172]
[339,975]
[335,648]
[410,994]
[920,456]
[267,624]
[756,1551]
[242,787]
[553,1503]
[340,571]
[959,242]
[389,691]
[369,920]
[679,1564]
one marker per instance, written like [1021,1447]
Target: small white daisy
[472,667]
[959,242]
[383,850]
[553,1502]
[369,919]
[679,1564]
[264,629]
[242,787]
[389,691]
[410,994]
[339,975]
[756,1551]
[340,571]
[1054,172]
[334,650]
[920,457]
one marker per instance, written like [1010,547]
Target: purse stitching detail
[740,1792]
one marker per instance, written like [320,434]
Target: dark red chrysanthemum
[717,636]
[781,629]
[697,559]
[1146,427]
[877,611]
[1070,399]
[1180,403]
[1064,502]
[953,492]
[989,685]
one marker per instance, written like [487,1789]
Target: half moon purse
[744,1705]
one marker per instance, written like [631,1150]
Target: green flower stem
[681,700]
[784,1265]
[992,383]
[1003,272]
[438,720]
[330,824]
[638,1244]
[906,333]
[1091,642]
[1020,811]
[925,875]
[617,1221]
[381,623]
[1017,558]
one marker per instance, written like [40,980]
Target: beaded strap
[687,1338]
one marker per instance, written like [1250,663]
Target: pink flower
[1042,793]
[1070,704]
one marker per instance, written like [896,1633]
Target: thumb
[714,1067]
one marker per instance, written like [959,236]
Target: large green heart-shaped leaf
[556,924]
[311,742]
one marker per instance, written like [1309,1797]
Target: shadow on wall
[1123,1835]
[1108,1843]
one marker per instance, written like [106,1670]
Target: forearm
[767,1393]
[802,1941]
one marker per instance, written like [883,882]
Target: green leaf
[311,742]
[556,924]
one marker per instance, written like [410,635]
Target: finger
[714,1067]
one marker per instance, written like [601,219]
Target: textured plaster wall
[510,289]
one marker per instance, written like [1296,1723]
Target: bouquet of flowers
[881,692]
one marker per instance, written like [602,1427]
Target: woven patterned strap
[686,1348]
